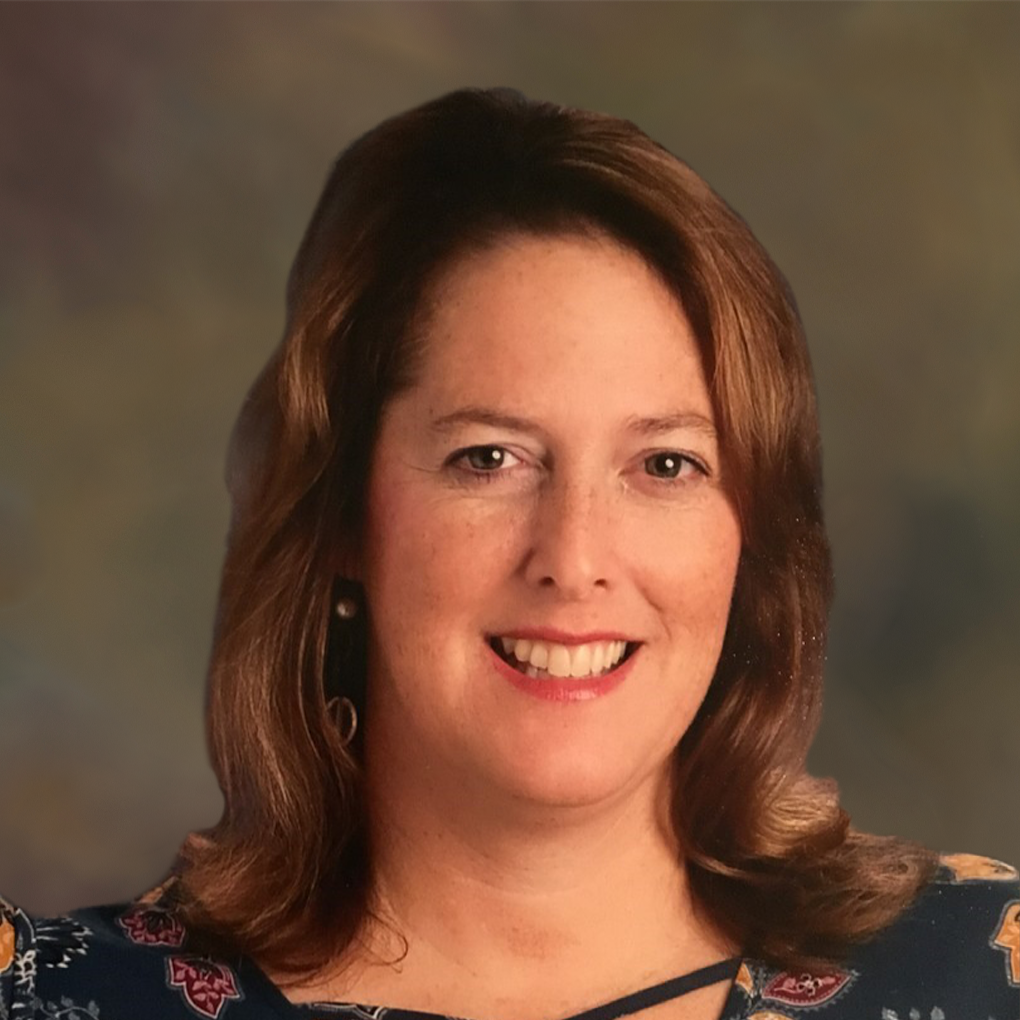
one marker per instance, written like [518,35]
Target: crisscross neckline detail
[625,1005]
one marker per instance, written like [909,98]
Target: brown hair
[285,876]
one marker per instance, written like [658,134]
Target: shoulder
[963,930]
[954,954]
[102,962]
[969,915]
[956,951]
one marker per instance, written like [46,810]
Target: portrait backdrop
[159,163]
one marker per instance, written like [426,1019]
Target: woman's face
[552,479]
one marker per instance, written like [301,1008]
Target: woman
[521,631]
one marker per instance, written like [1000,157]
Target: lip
[564,689]
[562,637]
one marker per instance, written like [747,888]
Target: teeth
[580,661]
[539,655]
[562,660]
[559,660]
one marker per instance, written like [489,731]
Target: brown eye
[485,458]
[670,464]
[489,463]
[665,465]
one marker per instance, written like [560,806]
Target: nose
[572,542]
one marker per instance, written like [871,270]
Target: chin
[576,779]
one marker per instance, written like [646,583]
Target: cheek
[717,565]
[698,577]
[430,556]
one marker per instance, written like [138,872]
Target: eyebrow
[644,426]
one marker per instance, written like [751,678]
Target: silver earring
[346,608]
[345,715]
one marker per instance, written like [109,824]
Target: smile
[541,659]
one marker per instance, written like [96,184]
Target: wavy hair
[285,875]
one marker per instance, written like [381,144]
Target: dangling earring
[345,716]
[341,709]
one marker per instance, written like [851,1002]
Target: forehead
[566,306]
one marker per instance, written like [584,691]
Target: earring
[345,716]
[346,608]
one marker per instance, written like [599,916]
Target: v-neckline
[624,1005]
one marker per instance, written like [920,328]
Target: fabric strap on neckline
[671,989]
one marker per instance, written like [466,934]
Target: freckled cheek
[694,578]
[717,574]
[460,565]
[431,555]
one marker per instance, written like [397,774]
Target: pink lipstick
[555,688]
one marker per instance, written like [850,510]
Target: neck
[486,887]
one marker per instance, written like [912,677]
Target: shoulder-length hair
[285,876]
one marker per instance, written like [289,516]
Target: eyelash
[475,474]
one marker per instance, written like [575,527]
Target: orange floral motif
[974,866]
[6,944]
[768,1014]
[744,980]
[1007,938]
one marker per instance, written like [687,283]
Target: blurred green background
[158,166]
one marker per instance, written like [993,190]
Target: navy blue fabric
[955,955]
[672,989]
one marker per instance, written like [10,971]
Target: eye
[483,461]
[671,464]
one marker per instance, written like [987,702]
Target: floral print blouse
[955,955]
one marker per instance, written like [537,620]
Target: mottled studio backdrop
[157,166]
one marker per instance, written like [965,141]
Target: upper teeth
[563,660]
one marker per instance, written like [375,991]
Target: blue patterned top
[955,955]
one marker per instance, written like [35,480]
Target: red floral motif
[806,989]
[151,926]
[207,986]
